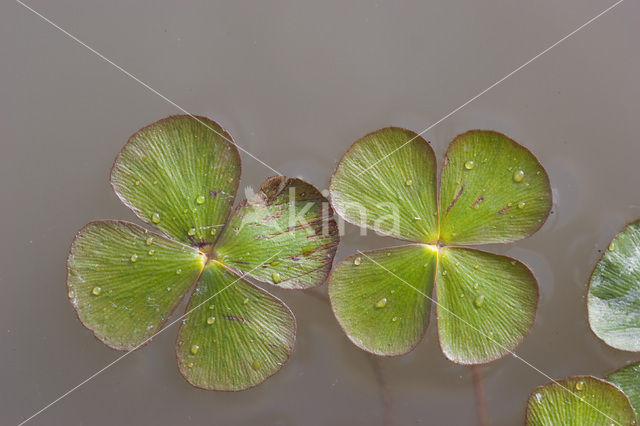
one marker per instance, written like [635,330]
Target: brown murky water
[296,84]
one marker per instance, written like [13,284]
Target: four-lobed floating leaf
[614,292]
[492,190]
[181,174]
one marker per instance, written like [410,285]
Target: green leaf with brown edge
[379,312]
[386,181]
[486,304]
[579,401]
[291,217]
[235,335]
[180,174]
[628,379]
[124,281]
[614,292]
[493,190]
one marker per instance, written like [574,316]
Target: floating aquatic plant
[614,292]
[181,174]
[579,401]
[492,190]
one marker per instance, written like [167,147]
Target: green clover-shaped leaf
[614,292]
[492,190]
[181,174]
[579,401]
[628,379]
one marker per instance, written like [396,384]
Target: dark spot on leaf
[235,318]
[214,194]
[504,209]
[456,197]
[446,160]
[477,201]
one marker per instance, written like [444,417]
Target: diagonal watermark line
[489,337]
[151,89]
[493,85]
[94,375]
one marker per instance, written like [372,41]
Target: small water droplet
[246,301]
[476,266]
[149,241]
[211,320]
[134,258]
[518,176]
[211,306]
[394,319]
[195,349]
[521,204]
[469,165]
[190,365]
[275,262]
[381,303]
[255,365]
[178,271]
[275,277]
[475,286]
[71,294]
[192,232]
[444,272]
[580,385]
[388,253]
[152,252]
[539,397]
[155,218]
[408,182]
[168,288]
[200,199]
[138,183]
[479,301]
[230,180]
[213,231]
[612,246]
[96,291]
[417,218]
[357,261]
[155,182]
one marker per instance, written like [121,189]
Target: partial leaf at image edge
[285,216]
[492,190]
[628,379]
[179,174]
[487,304]
[382,298]
[614,292]
[386,182]
[579,401]
[124,281]
[235,335]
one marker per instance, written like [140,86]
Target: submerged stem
[481,406]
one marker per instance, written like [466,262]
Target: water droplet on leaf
[612,246]
[469,165]
[71,294]
[479,301]
[580,385]
[149,241]
[195,349]
[178,271]
[211,320]
[152,252]
[191,232]
[381,303]
[275,277]
[518,176]
[200,199]
[521,204]
[96,291]
[255,365]
[357,261]
[134,258]
[408,182]
[155,218]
